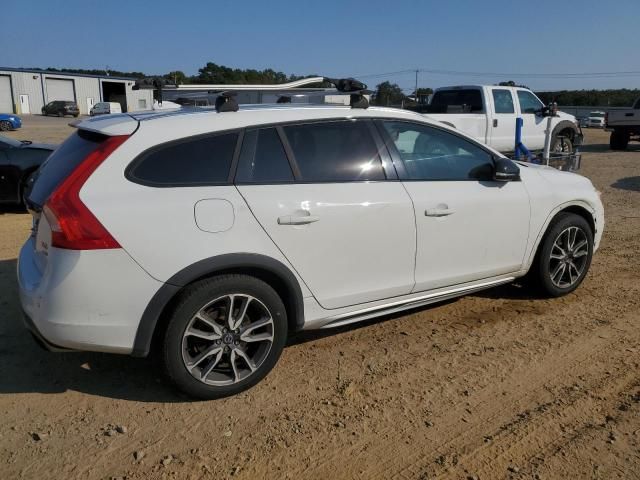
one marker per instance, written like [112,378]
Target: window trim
[403,174]
[234,171]
[128,172]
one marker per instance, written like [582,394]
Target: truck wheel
[561,144]
[619,140]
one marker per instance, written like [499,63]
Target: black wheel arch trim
[229,263]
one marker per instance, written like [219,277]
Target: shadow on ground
[627,183]
[27,368]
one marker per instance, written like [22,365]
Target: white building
[25,91]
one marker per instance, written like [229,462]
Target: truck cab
[488,113]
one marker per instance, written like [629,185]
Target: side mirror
[506,170]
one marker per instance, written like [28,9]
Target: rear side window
[343,151]
[188,162]
[468,100]
[62,162]
[263,159]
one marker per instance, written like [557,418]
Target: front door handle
[297,220]
[439,212]
[495,122]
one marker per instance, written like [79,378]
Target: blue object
[519,147]
[13,120]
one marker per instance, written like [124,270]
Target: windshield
[597,114]
[9,141]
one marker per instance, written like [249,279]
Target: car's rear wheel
[564,256]
[224,335]
[619,140]
[5,125]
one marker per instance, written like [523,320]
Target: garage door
[58,89]
[6,101]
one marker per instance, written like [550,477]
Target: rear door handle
[297,220]
[495,122]
[439,212]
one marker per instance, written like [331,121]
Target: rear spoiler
[110,125]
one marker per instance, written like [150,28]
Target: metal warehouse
[25,91]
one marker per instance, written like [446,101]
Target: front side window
[432,154]
[529,103]
[188,162]
[263,159]
[335,152]
[503,101]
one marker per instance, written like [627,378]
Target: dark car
[19,161]
[61,108]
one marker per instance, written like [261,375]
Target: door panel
[468,226]
[350,242]
[503,122]
[533,126]
[483,231]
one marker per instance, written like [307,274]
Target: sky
[502,40]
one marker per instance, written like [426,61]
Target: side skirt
[398,306]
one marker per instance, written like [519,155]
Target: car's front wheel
[564,256]
[223,336]
[5,125]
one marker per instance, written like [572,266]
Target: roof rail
[226,103]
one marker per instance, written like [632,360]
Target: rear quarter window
[187,162]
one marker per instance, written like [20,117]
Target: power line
[504,74]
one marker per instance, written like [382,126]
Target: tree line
[385,93]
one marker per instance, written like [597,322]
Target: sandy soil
[493,385]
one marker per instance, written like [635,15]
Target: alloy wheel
[227,340]
[569,255]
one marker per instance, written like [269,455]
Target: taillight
[73,226]
[606,119]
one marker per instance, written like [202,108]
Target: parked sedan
[19,160]
[9,122]
[61,108]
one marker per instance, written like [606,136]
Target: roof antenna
[226,102]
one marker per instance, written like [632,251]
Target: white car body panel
[475,241]
[372,250]
[365,232]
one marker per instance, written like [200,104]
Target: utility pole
[416,91]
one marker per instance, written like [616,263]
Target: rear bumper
[83,300]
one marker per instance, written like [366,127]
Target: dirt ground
[493,385]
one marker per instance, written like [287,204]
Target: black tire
[619,140]
[192,301]
[5,126]
[561,144]
[61,114]
[541,269]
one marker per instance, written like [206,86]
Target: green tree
[388,93]
[177,78]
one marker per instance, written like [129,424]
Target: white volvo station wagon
[211,235]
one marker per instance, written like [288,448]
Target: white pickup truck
[488,113]
[624,125]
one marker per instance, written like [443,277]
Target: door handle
[297,220]
[495,122]
[439,212]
